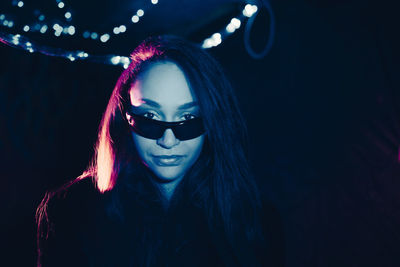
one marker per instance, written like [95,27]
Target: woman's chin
[167,176]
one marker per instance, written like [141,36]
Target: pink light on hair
[143,53]
[105,165]
[3,41]
[136,95]
[105,162]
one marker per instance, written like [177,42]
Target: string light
[21,42]
[140,12]
[135,18]
[249,10]
[43,29]
[235,23]
[104,38]
[216,39]
[71,30]
[116,30]
[18,41]
[68,16]
[6,22]
[122,28]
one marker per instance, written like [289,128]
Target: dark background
[323,110]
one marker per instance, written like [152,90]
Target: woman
[172,181]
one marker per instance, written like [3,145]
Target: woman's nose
[168,140]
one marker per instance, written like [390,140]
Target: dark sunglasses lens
[147,128]
[189,129]
[155,129]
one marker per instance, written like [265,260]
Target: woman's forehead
[163,83]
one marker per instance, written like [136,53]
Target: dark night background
[323,110]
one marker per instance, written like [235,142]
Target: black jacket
[76,229]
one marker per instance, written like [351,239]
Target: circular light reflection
[71,30]
[135,18]
[61,5]
[116,30]
[230,28]
[236,23]
[26,28]
[115,60]
[122,28]
[43,29]
[104,38]
[140,12]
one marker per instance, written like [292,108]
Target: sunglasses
[154,129]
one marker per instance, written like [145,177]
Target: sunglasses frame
[164,125]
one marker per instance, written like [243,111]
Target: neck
[168,188]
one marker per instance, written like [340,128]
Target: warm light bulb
[135,18]
[104,38]
[230,28]
[236,22]
[122,28]
[115,60]
[43,29]
[71,30]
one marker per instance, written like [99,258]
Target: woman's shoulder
[67,203]
[63,219]
[73,193]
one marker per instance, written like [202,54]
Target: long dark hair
[220,182]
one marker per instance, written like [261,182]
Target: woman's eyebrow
[188,105]
[181,107]
[151,103]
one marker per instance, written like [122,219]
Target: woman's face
[162,93]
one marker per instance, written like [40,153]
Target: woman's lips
[165,161]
